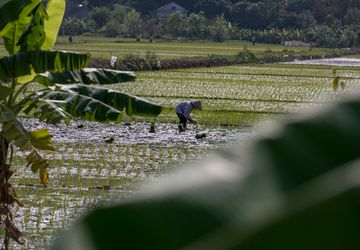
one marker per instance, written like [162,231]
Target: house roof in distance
[166,6]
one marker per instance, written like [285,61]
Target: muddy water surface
[343,61]
[138,133]
[96,164]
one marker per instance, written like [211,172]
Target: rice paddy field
[87,171]
[103,47]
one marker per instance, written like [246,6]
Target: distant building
[168,9]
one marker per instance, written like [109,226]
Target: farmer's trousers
[182,119]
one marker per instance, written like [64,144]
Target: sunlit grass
[105,47]
[101,47]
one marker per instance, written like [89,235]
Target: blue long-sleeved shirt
[185,109]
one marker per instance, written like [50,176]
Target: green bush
[246,56]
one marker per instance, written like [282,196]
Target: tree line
[328,23]
[260,14]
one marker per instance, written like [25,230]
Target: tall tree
[100,15]
[197,26]
[213,8]
[220,29]
[175,25]
[133,23]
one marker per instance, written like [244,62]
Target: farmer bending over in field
[183,111]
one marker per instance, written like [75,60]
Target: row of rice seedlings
[47,210]
[102,162]
[294,66]
[235,78]
[254,97]
[266,106]
[45,219]
[243,119]
[227,79]
[272,85]
[280,70]
[308,90]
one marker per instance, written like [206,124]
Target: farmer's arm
[191,120]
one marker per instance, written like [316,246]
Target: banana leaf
[47,111]
[86,76]
[296,187]
[13,10]
[84,107]
[4,92]
[133,105]
[12,36]
[323,214]
[13,131]
[55,10]
[37,163]
[22,63]
[20,29]
[34,36]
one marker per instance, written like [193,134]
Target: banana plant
[62,92]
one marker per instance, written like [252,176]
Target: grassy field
[102,47]
[86,174]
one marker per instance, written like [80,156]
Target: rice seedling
[85,174]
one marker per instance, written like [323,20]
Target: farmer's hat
[197,105]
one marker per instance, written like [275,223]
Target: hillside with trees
[328,23]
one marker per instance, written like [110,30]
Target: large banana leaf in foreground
[294,188]
[14,10]
[86,76]
[23,63]
[12,36]
[55,10]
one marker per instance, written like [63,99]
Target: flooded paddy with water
[343,61]
[96,164]
[100,163]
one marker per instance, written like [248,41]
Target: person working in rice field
[183,111]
